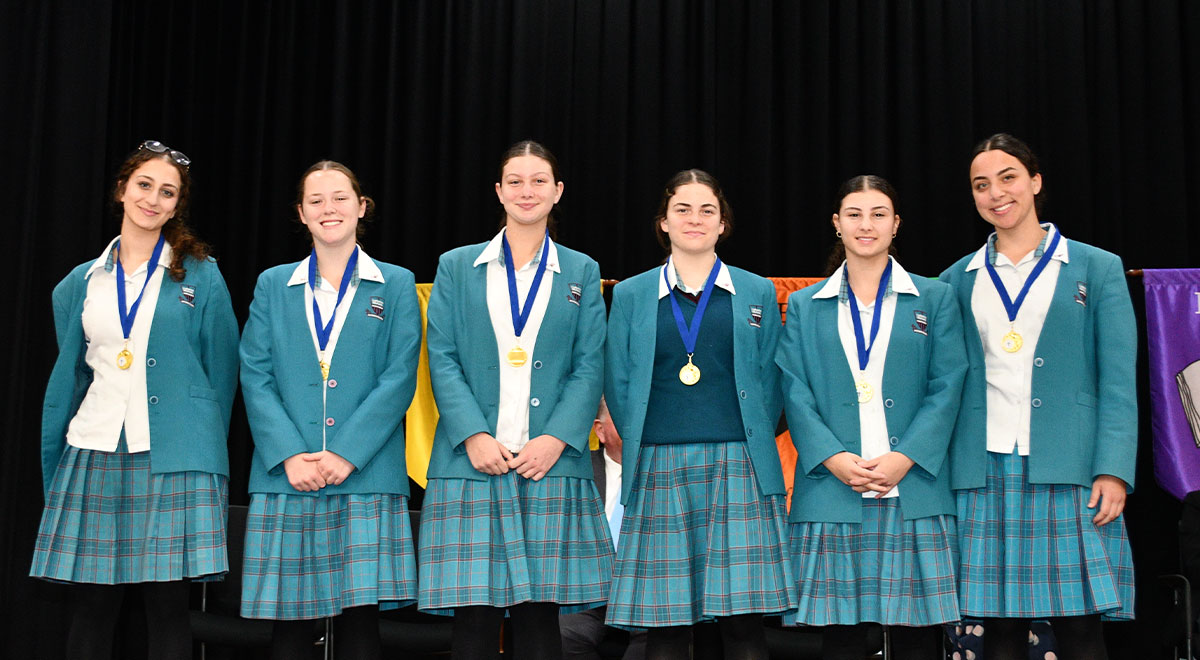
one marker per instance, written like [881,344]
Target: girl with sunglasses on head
[136,417]
[873,365]
[329,366]
[512,521]
[1046,438]
[692,386]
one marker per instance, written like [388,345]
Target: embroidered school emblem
[1081,296]
[574,293]
[375,309]
[188,295]
[921,326]
[756,316]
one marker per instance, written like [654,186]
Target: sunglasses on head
[159,148]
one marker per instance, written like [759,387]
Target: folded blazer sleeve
[458,410]
[813,440]
[276,437]
[616,362]
[580,397]
[927,438]
[376,418]
[219,342]
[1116,355]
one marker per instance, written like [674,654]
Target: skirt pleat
[312,557]
[1031,550]
[109,520]
[885,570]
[508,540]
[699,540]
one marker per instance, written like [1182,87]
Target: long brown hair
[176,231]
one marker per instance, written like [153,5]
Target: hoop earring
[837,233]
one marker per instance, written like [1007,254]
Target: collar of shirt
[364,270]
[836,285]
[494,251]
[724,280]
[988,251]
[108,259]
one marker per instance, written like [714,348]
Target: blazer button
[742,393]
[328,421]
[537,364]
[332,382]
[888,403]
[893,441]
[154,400]
[1037,403]
[749,432]
[150,362]
[535,402]
[1037,362]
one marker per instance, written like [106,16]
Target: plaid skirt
[886,570]
[312,557]
[1031,550]
[109,520]
[699,540]
[510,540]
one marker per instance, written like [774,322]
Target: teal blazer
[191,371]
[632,334]
[1084,418]
[371,382]
[464,362]
[922,383]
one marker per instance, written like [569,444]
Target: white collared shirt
[326,294]
[612,484]
[512,415]
[1010,375]
[116,398]
[872,418]
[724,280]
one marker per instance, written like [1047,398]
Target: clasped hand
[532,462]
[313,471]
[879,475]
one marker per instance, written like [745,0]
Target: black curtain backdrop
[780,100]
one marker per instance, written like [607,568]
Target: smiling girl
[873,365]
[136,416]
[329,365]
[693,389]
[1046,439]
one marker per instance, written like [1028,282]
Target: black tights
[94,612]
[355,632]
[535,634]
[908,642]
[742,637]
[1077,637]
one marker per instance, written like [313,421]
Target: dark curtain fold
[780,100]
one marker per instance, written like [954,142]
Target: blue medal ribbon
[1009,305]
[127,317]
[864,349]
[324,330]
[689,334]
[521,316]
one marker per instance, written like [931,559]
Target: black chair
[218,621]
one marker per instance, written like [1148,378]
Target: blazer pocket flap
[1086,399]
[199,392]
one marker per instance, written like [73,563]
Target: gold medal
[1012,341]
[124,358]
[865,391]
[689,374]
[324,369]
[517,356]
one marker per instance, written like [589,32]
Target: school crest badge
[1081,293]
[574,293]
[187,295]
[756,316]
[920,323]
[375,308]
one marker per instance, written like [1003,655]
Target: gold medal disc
[517,356]
[124,359]
[324,370]
[689,374]
[865,391]
[1012,342]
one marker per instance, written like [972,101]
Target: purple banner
[1173,338]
